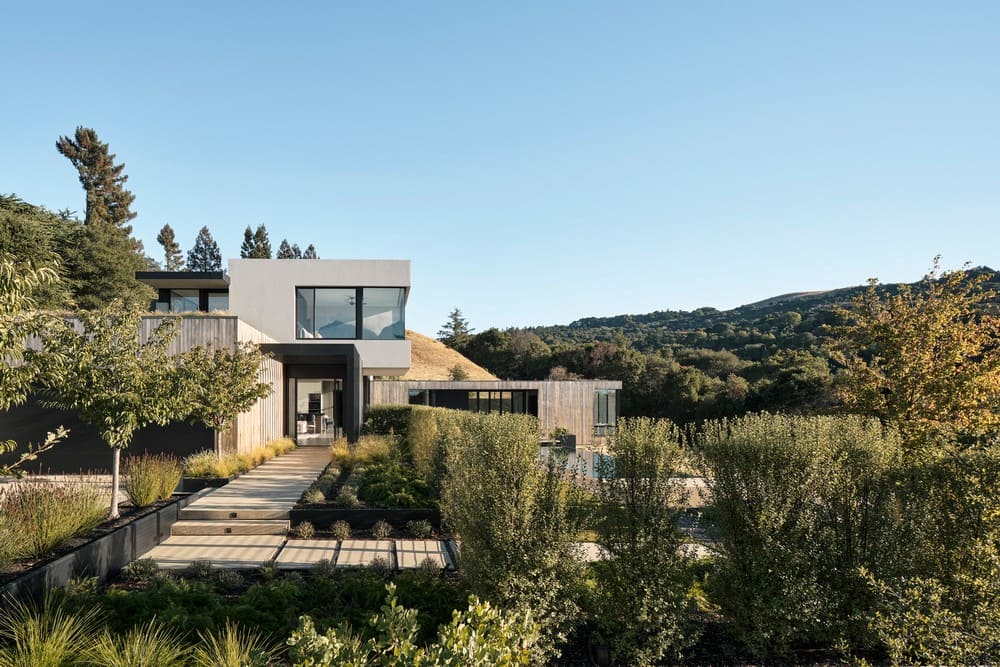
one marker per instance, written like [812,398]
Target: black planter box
[364,518]
[102,556]
[195,484]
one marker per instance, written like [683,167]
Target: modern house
[335,331]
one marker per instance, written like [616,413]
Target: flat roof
[184,279]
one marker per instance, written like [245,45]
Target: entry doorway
[314,409]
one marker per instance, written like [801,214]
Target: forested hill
[689,365]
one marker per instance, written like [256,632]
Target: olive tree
[222,383]
[112,379]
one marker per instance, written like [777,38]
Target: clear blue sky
[538,162]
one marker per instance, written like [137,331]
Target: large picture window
[605,411]
[347,313]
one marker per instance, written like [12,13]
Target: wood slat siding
[561,403]
[216,331]
[264,421]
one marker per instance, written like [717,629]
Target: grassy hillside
[432,360]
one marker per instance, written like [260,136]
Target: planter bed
[363,518]
[195,484]
[102,552]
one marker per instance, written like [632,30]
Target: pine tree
[285,250]
[261,244]
[247,249]
[173,259]
[205,255]
[456,331]
[107,199]
[100,256]
[310,252]
[296,251]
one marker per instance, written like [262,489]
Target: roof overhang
[184,279]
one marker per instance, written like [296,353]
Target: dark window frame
[359,308]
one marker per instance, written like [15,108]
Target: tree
[172,258]
[221,384]
[111,379]
[643,584]
[310,252]
[18,369]
[261,243]
[285,251]
[297,252]
[108,202]
[101,257]
[925,359]
[456,331]
[247,247]
[205,255]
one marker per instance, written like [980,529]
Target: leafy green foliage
[387,419]
[513,517]
[803,504]
[482,635]
[642,586]
[341,530]
[150,477]
[394,484]
[110,378]
[924,358]
[172,258]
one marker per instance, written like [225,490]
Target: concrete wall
[568,404]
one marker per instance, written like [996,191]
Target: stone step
[242,527]
[204,514]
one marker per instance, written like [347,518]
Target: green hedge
[386,419]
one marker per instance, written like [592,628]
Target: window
[334,313]
[605,411]
[218,301]
[383,313]
[183,300]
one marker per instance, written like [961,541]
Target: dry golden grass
[433,360]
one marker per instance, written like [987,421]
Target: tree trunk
[113,514]
[217,435]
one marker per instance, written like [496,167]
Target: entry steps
[240,527]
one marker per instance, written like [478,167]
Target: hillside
[432,360]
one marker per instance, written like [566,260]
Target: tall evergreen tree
[205,255]
[104,181]
[100,256]
[284,250]
[173,259]
[310,252]
[296,251]
[456,331]
[247,248]
[261,243]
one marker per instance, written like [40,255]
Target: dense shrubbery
[387,419]
[394,484]
[37,517]
[209,464]
[149,478]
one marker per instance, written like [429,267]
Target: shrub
[304,530]
[149,478]
[208,464]
[199,569]
[341,530]
[393,484]
[347,498]
[142,570]
[420,529]
[313,495]
[150,645]
[234,647]
[802,504]
[380,567]
[387,419]
[229,580]
[643,583]
[513,516]
[422,438]
[37,517]
[482,635]
[381,530]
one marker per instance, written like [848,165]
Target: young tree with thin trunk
[111,379]
[220,384]
[173,260]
